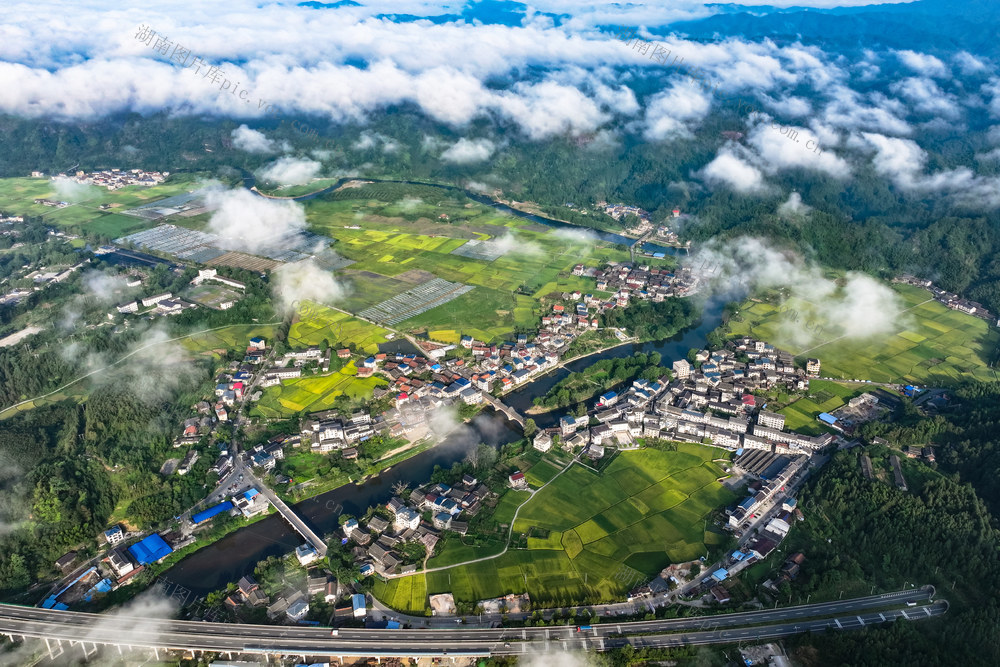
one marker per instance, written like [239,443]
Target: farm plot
[315,323]
[604,533]
[315,393]
[931,343]
[415,301]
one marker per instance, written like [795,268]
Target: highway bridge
[511,414]
[86,631]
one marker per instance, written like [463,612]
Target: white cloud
[305,281]
[576,236]
[290,171]
[468,151]
[73,192]
[969,64]
[927,97]
[777,148]
[250,222]
[903,162]
[675,112]
[252,141]
[509,244]
[857,307]
[729,170]
[793,206]
[848,110]
[369,140]
[922,63]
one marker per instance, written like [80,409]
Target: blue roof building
[150,549]
[205,515]
[827,418]
[747,502]
[720,575]
[358,603]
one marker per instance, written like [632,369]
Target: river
[235,555]
[249,181]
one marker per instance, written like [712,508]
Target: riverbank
[237,554]
[379,466]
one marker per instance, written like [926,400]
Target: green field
[17,195]
[315,393]
[931,344]
[229,338]
[606,533]
[824,396]
[407,235]
[315,322]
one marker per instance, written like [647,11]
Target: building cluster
[637,282]
[953,301]
[422,383]
[164,303]
[126,562]
[325,432]
[291,605]
[52,202]
[621,211]
[712,403]
[667,235]
[376,543]
[112,179]
[212,275]
[765,493]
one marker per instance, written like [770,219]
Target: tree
[530,428]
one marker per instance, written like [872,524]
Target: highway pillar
[53,656]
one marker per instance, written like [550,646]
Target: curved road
[510,531]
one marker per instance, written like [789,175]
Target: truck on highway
[583,628]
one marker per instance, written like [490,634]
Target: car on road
[334,633]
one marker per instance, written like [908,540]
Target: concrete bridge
[509,412]
[294,520]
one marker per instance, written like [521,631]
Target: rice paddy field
[229,338]
[931,344]
[17,196]
[315,393]
[600,534]
[315,322]
[400,235]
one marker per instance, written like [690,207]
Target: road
[763,517]
[130,354]
[230,637]
[510,531]
[724,620]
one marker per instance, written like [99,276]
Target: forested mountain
[861,532]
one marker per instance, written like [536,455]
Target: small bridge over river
[509,412]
